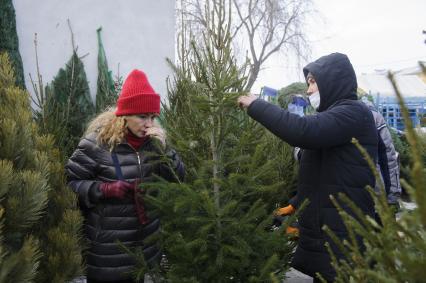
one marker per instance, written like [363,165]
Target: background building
[135,34]
[411,86]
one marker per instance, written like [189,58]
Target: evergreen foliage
[118,82]
[285,93]
[105,95]
[60,230]
[406,159]
[396,250]
[23,185]
[294,88]
[217,223]
[66,106]
[9,42]
[40,224]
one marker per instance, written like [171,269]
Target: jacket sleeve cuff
[95,194]
[294,201]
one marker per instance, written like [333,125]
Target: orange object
[287,210]
[293,231]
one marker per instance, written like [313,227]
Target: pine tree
[106,94]
[395,251]
[9,39]
[60,230]
[23,184]
[217,223]
[40,224]
[68,105]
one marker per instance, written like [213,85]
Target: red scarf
[135,141]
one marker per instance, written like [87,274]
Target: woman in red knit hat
[120,150]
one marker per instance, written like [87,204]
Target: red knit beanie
[137,96]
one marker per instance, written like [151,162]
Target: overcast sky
[375,34]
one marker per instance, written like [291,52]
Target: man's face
[312,85]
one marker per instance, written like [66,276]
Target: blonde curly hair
[111,129]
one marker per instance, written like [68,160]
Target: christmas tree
[68,105]
[217,222]
[40,223]
[60,229]
[9,39]
[105,95]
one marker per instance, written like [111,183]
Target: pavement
[82,279]
[292,276]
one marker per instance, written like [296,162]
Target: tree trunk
[255,68]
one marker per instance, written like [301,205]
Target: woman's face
[138,124]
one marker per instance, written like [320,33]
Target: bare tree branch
[266,27]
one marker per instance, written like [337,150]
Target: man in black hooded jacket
[330,163]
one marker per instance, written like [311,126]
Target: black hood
[335,78]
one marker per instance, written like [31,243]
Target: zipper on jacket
[139,159]
[139,162]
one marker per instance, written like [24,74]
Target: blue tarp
[300,101]
[268,91]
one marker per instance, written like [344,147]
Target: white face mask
[314,100]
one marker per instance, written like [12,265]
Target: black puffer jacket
[330,163]
[108,221]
